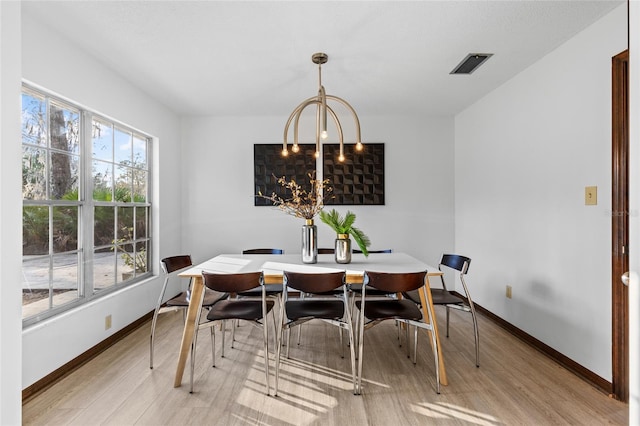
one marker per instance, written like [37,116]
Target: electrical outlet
[591,196]
[107,322]
[508,292]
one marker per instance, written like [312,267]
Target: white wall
[10,216]
[218,188]
[57,65]
[524,154]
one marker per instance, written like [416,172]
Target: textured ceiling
[254,58]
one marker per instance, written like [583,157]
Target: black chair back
[263,251]
[174,263]
[457,262]
[394,282]
[314,283]
[232,283]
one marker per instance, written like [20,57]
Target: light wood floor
[515,385]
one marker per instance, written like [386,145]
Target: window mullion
[86,206]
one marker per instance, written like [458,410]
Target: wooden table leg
[197,294]
[427,303]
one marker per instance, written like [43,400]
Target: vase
[309,242]
[343,249]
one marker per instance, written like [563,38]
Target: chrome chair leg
[360,324]
[447,310]
[153,329]
[434,346]
[476,335]
[415,345]
[408,326]
[352,350]
[224,331]
[234,324]
[275,329]
[279,348]
[265,336]
[288,341]
[213,346]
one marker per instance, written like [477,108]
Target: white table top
[275,264]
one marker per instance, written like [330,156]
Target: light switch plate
[590,195]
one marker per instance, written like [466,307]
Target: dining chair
[272,289]
[356,289]
[320,251]
[372,311]
[451,300]
[179,302]
[235,308]
[314,298]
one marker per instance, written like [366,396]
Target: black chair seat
[249,310]
[210,298]
[309,308]
[390,309]
[439,296]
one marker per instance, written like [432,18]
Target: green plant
[344,225]
[135,260]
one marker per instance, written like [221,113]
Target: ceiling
[254,58]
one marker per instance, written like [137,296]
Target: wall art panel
[269,165]
[359,180]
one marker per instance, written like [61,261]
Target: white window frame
[86,289]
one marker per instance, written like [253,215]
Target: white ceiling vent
[471,63]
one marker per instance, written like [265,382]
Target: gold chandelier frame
[322,111]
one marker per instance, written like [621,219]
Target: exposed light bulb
[295,148]
[341,158]
[317,154]
[324,134]
[359,146]
[285,153]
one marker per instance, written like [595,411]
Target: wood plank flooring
[515,384]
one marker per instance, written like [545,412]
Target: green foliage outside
[35,223]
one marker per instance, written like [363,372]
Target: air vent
[471,63]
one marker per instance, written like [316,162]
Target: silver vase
[343,249]
[309,242]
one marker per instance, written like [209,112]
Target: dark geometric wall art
[269,162]
[359,179]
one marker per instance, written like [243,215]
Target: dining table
[272,267]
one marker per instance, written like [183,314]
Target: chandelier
[323,109]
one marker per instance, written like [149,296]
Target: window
[86,207]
